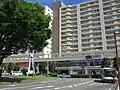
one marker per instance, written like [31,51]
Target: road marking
[11,85]
[80,83]
[42,87]
[50,86]
[92,84]
[105,84]
[36,87]
[74,85]
[64,87]
[57,88]
[111,87]
[20,87]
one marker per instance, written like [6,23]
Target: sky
[66,2]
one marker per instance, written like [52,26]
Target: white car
[17,73]
[5,74]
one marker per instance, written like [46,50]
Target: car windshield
[109,73]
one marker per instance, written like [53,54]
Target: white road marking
[11,85]
[80,83]
[20,87]
[58,88]
[92,84]
[36,87]
[111,87]
[64,87]
[70,86]
[42,87]
[50,86]
[105,84]
[75,85]
[83,83]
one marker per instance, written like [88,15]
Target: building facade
[48,48]
[55,26]
[88,26]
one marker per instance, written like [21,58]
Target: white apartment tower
[89,26]
[48,48]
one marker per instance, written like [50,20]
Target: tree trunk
[1,60]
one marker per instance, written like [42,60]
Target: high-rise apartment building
[48,48]
[87,26]
[55,26]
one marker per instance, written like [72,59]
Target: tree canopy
[23,26]
[115,63]
[105,62]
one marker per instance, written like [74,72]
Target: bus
[109,74]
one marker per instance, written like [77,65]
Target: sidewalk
[117,88]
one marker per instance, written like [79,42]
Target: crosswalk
[53,87]
[58,87]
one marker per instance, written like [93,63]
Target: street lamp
[115,34]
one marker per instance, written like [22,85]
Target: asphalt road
[63,84]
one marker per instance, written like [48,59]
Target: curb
[116,87]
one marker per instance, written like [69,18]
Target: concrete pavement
[64,84]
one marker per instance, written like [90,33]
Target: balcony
[117,27]
[110,4]
[90,27]
[111,44]
[68,13]
[90,22]
[69,43]
[89,14]
[68,25]
[70,39]
[107,1]
[114,13]
[91,35]
[90,18]
[114,8]
[68,9]
[116,22]
[92,41]
[89,9]
[90,4]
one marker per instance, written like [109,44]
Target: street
[63,84]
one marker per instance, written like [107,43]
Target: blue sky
[67,2]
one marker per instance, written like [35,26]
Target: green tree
[105,62]
[23,26]
[10,66]
[115,63]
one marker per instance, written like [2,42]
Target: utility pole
[115,34]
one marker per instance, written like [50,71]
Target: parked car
[17,73]
[5,74]
[64,76]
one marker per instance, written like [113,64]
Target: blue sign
[94,62]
